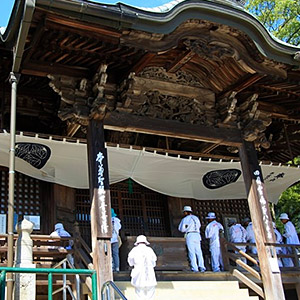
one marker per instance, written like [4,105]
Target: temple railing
[232,258]
[235,257]
[46,249]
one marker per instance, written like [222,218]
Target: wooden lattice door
[142,211]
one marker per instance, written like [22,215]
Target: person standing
[238,234]
[250,235]
[143,260]
[116,226]
[291,237]
[190,226]
[279,240]
[212,232]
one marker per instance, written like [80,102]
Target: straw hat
[141,239]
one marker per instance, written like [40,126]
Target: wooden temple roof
[192,80]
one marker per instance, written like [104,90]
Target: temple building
[146,110]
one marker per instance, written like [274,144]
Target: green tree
[280,17]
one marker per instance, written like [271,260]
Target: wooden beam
[39,32]
[72,129]
[277,111]
[181,61]
[262,222]
[209,148]
[42,69]
[140,85]
[248,282]
[142,63]
[131,123]
[81,28]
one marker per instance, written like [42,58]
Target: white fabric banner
[66,163]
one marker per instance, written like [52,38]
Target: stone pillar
[25,288]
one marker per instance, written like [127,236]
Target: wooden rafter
[180,61]
[242,84]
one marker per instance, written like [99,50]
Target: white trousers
[193,244]
[216,259]
[145,293]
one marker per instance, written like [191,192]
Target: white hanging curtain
[66,163]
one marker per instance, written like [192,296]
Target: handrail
[66,287]
[247,281]
[50,272]
[105,288]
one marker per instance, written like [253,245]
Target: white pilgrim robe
[143,259]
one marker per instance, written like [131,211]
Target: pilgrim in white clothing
[251,238]
[116,226]
[190,225]
[143,260]
[238,234]
[291,236]
[212,232]
[279,240]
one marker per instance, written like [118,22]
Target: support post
[262,222]
[14,78]
[101,228]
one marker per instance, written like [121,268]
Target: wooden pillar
[101,230]
[262,222]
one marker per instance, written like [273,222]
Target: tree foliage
[280,17]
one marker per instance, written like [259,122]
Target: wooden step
[204,290]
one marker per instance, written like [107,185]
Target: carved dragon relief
[82,99]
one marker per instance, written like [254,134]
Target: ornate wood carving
[254,122]
[82,99]
[172,96]
[211,49]
[179,77]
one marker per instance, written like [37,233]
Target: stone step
[204,290]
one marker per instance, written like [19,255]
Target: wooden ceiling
[201,77]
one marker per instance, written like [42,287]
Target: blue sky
[6,6]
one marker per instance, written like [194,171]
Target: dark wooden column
[262,222]
[101,230]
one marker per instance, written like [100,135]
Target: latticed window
[142,211]
[27,194]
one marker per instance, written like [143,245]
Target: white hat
[187,208]
[284,216]
[211,215]
[141,239]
